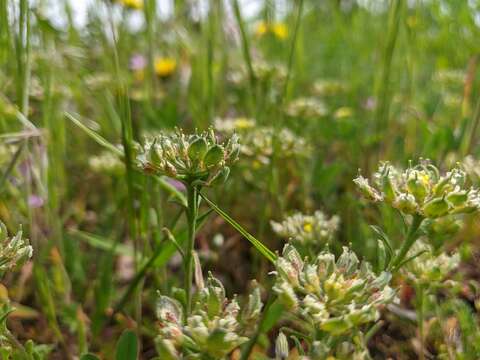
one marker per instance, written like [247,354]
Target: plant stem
[407,244]
[421,319]
[192,213]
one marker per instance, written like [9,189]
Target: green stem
[192,213]
[421,319]
[407,244]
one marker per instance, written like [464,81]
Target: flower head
[428,268]
[198,158]
[13,251]
[307,229]
[165,66]
[335,295]
[216,326]
[421,190]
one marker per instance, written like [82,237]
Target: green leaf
[383,237]
[127,346]
[270,255]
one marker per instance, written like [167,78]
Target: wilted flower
[314,229]
[197,159]
[333,296]
[215,328]
[306,107]
[429,268]
[13,251]
[421,190]
[165,66]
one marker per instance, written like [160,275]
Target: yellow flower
[262,28]
[165,66]
[132,4]
[280,30]
[308,227]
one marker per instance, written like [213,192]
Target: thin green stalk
[245,49]
[192,214]
[291,55]
[407,244]
[383,81]
[421,319]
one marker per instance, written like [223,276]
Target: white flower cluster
[334,296]
[13,251]
[215,328]
[421,190]
[316,229]
[429,268]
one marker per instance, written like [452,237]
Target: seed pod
[417,187]
[197,149]
[388,189]
[435,208]
[214,156]
[457,198]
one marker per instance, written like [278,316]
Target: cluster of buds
[316,229]
[307,108]
[196,159]
[214,329]
[106,162]
[335,296]
[421,190]
[14,251]
[429,268]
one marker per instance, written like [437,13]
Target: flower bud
[281,347]
[417,185]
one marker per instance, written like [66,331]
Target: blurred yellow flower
[343,112]
[262,28]
[132,4]
[165,66]
[308,227]
[244,123]
[278,29]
